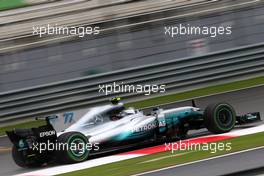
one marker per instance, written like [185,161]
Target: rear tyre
[76,150]
[18,157]
[219,118]
[21,159]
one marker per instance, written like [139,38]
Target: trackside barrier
[178,75]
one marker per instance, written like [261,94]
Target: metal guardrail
[229,65]
[70,17]
[26,39]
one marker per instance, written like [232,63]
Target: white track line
[165,157]
[207,159]
[110,159]
[79,166]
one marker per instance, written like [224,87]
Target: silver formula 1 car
[111,127]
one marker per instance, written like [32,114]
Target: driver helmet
[129,111]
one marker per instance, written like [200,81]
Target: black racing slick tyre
[18,157]
[22,160]
[219,118]
[75,149]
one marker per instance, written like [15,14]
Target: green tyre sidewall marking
[216,112]
[70,153]
[80,140]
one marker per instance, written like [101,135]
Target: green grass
[29,124]
[197,93]
[137,165]
[10,4]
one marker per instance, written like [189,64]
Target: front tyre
[75,148]
[219,118]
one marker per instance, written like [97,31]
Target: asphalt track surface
[248,100]
[218,166]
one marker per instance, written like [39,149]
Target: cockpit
[122,114]
[104,114]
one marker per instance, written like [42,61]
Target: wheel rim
[75,152]
[225,117]
[77,147]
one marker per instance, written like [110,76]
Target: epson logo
[47,133]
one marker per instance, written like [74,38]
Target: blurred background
[59,74]
[132,34]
